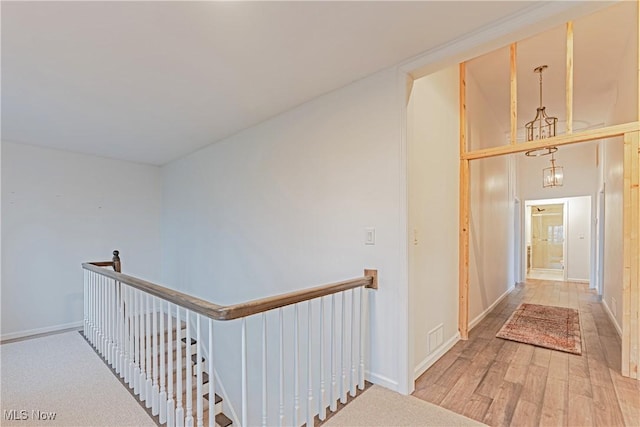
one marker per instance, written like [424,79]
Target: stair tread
[218,398]
[222,420]
[184,340]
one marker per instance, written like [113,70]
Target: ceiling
[153,81]
[600,42]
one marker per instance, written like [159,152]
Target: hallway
[502,382]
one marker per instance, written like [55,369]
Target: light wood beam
[513,51]
[463,227]
[463,300]
[631,255]
[569,78]
[556,141]
[463,109]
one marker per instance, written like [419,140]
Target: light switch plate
[370,236]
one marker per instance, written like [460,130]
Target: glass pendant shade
[553,176]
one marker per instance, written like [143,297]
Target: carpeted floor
[379,406]
[62,374]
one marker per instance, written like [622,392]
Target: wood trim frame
[631,200]
[463,245]
[631,254]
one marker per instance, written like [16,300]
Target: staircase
[158,342]
[158,387]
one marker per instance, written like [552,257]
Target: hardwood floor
[500,382]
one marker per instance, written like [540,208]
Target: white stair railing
[162,343]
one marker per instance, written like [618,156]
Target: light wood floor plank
[502,382]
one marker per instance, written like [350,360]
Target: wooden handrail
[115,262]
[235,311]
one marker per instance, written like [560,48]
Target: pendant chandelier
[552,176]
[542,126]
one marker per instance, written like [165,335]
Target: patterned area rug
[557,328]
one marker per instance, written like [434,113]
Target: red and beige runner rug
[557,328]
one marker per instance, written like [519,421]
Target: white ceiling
[601,40]
[152,81]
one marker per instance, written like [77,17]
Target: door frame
[542,202]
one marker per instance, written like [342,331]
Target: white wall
[578,235]
[580,164]
[491,240]
[624,110]
[60,209]
[433,126]
[284,205]
[580,173]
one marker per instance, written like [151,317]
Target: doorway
[546,249]
[559,243]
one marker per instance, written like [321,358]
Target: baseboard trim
[578,280]
[612,317]
[433,357]
[482,315]
[381,380]
[38,332]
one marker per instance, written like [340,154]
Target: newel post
[117,265]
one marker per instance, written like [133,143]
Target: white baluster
[179,409]
[343,369]
[212,380]
[143,350]
[332,392]
[245,400]
[296,367]
[188,420]
[162,397]
[136,343]
[126,310]
[148,352]
[97,312]
[310,411]
[103,326]
[121,332]
[155,388]
[87,298]
[85,312]
[100,340]
[353,381]
[322,408]
[281,376]
[171,409]
[92,287]
[110,322]
[199,408]
[264,369]
[114,326]
[362,338]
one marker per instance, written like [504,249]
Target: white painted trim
[381,380]
[405,383]
[433,357]
[612,317]
[482,315]
[579,281]
[38,331]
